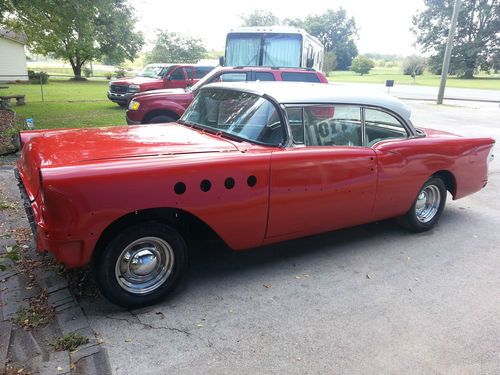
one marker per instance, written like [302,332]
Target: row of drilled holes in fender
[205,185]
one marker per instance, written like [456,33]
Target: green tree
[413,65]
[77,31]
[174,47]
[477,37]
[5,7]
[335,30]
[259,18]
[330,62]
[362,64]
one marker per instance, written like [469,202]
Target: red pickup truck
[168,105]
[156,77]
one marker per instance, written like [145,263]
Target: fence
[5,80]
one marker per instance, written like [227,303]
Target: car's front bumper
[120,98]
[132,122]
[71,253]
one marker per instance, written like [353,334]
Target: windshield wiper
[233,137]
[194,125]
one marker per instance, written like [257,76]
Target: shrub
[413,65]
[362,64]
[35,77]
[120,73]
[87,72]
[109,76]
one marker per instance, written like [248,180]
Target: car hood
[69,146]
[134,81]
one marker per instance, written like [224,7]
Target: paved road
[429,93]
[371,299]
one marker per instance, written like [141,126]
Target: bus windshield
[253,49]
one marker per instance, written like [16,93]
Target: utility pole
[447,53]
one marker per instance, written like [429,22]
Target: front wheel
[161,119]
[427,207]
[141,265]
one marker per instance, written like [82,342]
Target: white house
[12,56]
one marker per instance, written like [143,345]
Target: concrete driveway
[370,299]
[413,92]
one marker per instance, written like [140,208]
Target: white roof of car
[320,93]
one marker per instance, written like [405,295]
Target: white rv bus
[276,46]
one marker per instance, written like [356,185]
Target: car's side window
[296,122]
[264,76]
[189,72]
[201,71]
[381,125]
[299,77]
[232,77]
[332,125]
[177,75]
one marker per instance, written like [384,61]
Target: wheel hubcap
[144,265]
[427,204]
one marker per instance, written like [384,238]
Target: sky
[384,25]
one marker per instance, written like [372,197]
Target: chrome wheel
[427,204]
[144,265]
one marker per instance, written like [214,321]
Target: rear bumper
[120,98]
[70,253]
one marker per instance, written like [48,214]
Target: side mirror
[221,60]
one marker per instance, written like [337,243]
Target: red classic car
[249,162]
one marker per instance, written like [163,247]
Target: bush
[413,65]
[362,64]
[120,73]
[35,77]
[109,76]
[87,72]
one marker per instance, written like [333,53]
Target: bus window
[242,50]
[282,50]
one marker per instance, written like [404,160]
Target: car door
[327,180]
[177,79]
[403,163]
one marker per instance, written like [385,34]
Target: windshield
[244,115]
[282,50]
[153,71]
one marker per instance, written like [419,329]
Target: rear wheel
[141,265]
[427,207]
[160,119]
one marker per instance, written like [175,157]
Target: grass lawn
[380,75]
[67,104]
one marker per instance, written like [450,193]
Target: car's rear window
[299,77]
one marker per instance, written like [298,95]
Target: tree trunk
[470,65]
[76,65]
[77,71]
